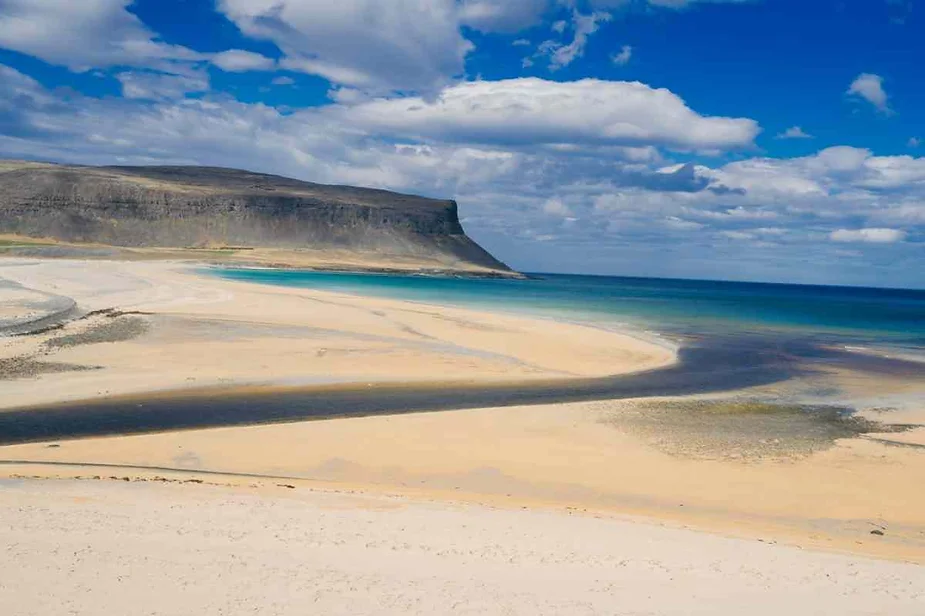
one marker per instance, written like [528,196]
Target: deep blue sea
[849,315]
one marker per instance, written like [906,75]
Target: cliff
[207,207]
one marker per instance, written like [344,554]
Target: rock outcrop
[199,207]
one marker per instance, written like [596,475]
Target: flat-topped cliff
[208,207]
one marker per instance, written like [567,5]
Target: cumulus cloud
[680,178]
[104,34]
[828,173]
[870,236]
[891,172]
[794,132]
[85,35]
[502,15]
[239,61]
[870,88]
[556,207]
[387,52]
[605,209]
[623,57]
[841,159]
[309,143]
[366,44]
[535,111]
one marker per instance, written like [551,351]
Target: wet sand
[699,370]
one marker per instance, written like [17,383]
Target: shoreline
[648,336]
[335,337]
[814,482]
[321,260]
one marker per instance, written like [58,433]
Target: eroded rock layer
[196,207]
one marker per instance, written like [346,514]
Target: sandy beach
[200,331]
[829,493]
[129,548]
[462,307]
[734,503]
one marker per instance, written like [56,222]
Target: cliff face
[203,206]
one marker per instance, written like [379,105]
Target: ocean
[730,336]
[891,319]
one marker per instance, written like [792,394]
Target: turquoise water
[849,315]
[734,336]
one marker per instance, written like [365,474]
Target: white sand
[392,540]
[553,456]
[105,548]
[205,331]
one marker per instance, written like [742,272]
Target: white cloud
[839,159]
[680,224]
[623,57]
[601,207]
[307,144]
[152,86]
[84,35]
[870,87]
[18,94]
[522,42]
[828,173]
[870,236]
[737,215]
[502,15]
[283,81]
[891,172]
[767,178]
[737,235]
[561,54]
[794,132]
[368,44]
[556,207]
[914,142]
[532,111]
[239,61]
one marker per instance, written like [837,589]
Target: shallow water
[709,366]
[734,335]
[843,315]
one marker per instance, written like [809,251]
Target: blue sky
[752,140]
